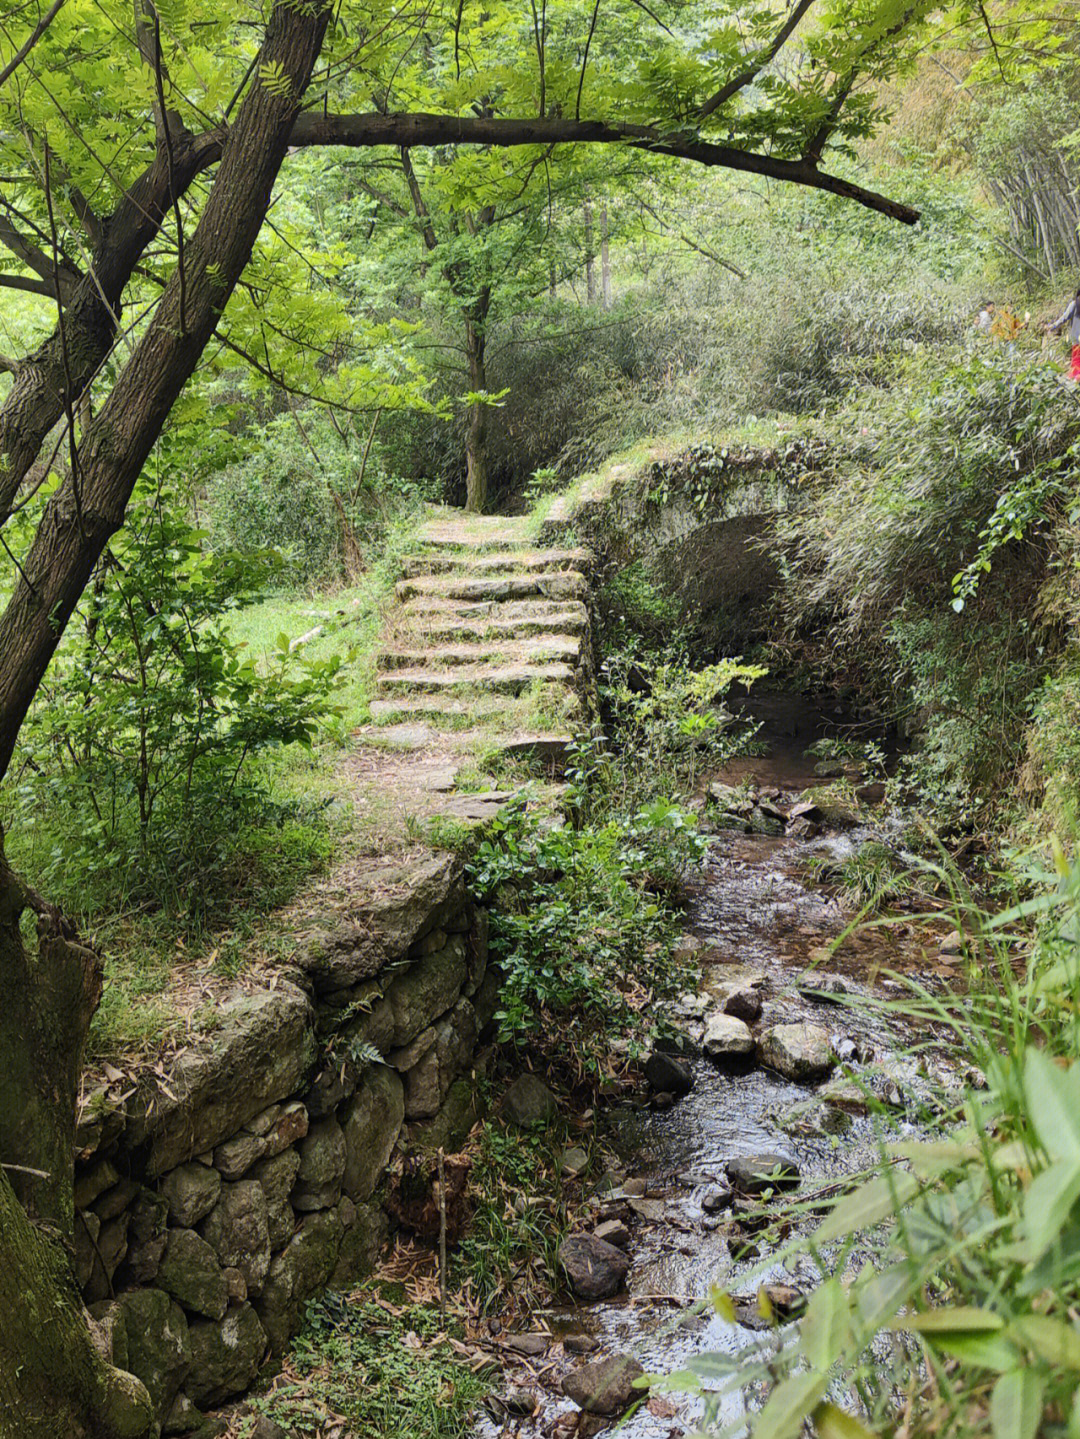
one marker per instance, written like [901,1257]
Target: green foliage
[386,1369]
[581,937]
[136,776]
[875,874]
[967,1244]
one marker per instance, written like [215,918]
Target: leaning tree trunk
[476,432]
[55,1378]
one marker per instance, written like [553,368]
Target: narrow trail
[485,655]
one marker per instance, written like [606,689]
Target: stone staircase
[486,648]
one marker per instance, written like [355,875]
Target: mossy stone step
[455,714]
[510,679]
[440,562]
[476,533]
[523,651]
[561,585]
[436,625]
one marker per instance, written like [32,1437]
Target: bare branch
[31,40]
[34,259]
[25,283]
[761,61]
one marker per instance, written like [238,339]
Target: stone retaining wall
[243,1176]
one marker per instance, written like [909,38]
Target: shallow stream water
[754,911]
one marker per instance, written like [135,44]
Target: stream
[755,915]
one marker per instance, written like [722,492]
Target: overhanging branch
[420,129]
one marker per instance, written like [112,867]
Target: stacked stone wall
[244,1176]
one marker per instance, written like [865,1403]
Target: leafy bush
[583,942]
[306,489]
[137,771]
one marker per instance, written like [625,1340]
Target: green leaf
[1051,1339]
[1016,1405]
[789,1404]
[825,1332]
[962,1319]
[868,1205]
[833,1423]
[1053,1099]
[1047,1206]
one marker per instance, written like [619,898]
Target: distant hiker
[1070,317]
[985,318]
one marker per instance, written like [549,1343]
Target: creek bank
[790,1109]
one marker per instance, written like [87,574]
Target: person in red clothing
[1070,317]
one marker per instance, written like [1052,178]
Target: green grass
[388,1371]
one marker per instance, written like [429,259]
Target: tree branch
[421,129]
[31,40]
[34,259]
[24,282]
[763,59]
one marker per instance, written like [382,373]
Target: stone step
[566,648]
[496,625]
[476,533]
[443,562]
[485,679]
[438,711]
[562,585]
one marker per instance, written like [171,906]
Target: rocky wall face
[217,1200]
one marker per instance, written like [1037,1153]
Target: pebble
[613,1231]
[715,1199]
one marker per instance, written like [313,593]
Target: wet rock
[668,1074]
[953,943]
[822,988]
[849,1098]
[807,809]
[371,1122]
[529,1101]
[801,1052]
[606,1387]
[191,1191]
[662,1100]
[752,1174]
[580,1343]
[596,1270]
[803,829]
[715,1200]
[519,1400]
[764,823]
[814,1119]
[634,1187]
[237,1230]
[727,1039]
[613,1231]
[225,1357]
[191,1273]
[530,1344]
[158,1348]
[846,1050]
[322,1167]
[741,998]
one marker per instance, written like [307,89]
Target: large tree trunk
[476,432]
[50,995]
[89,507]
[55,1378]
[52,1378]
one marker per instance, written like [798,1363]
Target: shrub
[138,755]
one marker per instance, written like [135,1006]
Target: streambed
[754,913]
